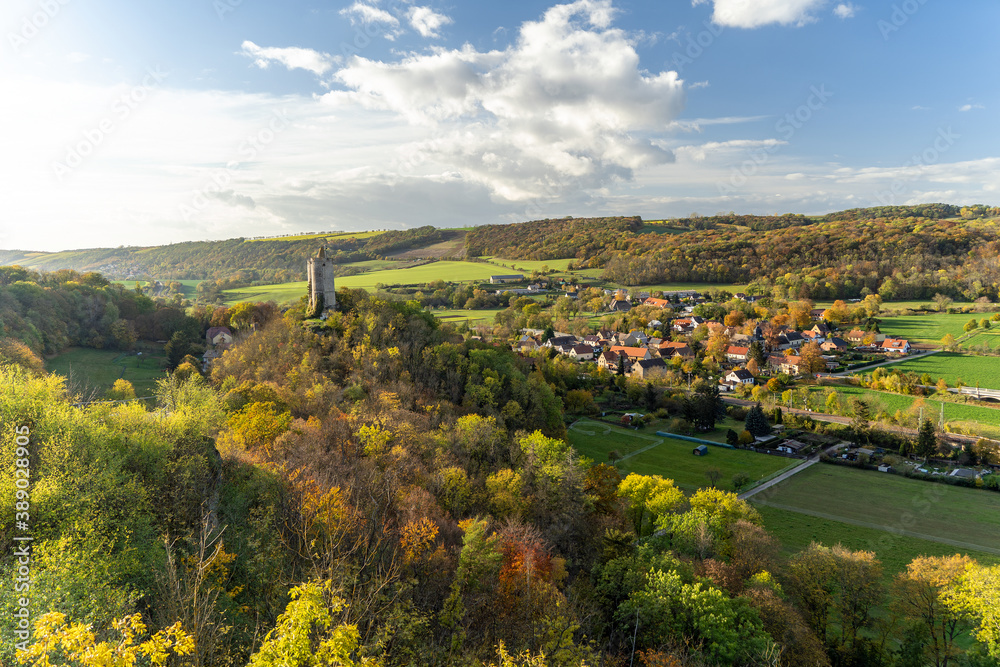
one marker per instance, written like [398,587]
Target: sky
[152,122]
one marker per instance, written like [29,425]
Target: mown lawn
[669,457]
[282,293]
[457,315]
[92,371]
[891,504]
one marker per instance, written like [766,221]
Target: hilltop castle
[322,295]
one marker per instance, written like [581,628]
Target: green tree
[926,440]
[976,594]
[305,635]
[649,497]
[756,422]
[859,423]
[971,325]
[756,352]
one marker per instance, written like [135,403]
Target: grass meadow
[669,457]
[958,517]
[952,366]
[889,403]
[92,371]
[928,328]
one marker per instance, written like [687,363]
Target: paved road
[780,478]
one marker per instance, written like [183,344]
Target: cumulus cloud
[845,10]
[291,57]
[426,21]
[757,13]
[567,105]
[364,14]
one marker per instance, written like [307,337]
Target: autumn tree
[976,594]
[920,595]
[811,358]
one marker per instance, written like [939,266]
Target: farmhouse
[513,278]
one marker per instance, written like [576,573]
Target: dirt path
[780,478]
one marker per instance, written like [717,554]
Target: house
[608,361]
[648,368]
[560,341]
[219,336]
[658,303]
[737,354]
[857,336]
[822,329]
[700,450]
[581,353]
[654,324]
[896,346]
[791,446]
[526,345]
[785,364]
[636,339]
[619,306]
[669,348]
[633,354]
[739,376]
[834,344]
[513,278]
[790,339]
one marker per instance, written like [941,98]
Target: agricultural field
[928,328]
[95,371]
[282,293]
[529,265]
[796,531]
[958,517]
[973,371]
[646,453]
[323,235]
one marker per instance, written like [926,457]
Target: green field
[669,457]
[189,290]
[282,293]
[529,265]
[984,371]
[796,531]
[92,371]
[928,328]
[957,517]
[953,412]
[458,315]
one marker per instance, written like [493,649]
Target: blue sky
[135,123]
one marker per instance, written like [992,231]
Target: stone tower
[322,295]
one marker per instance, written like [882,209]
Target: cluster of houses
[644,356]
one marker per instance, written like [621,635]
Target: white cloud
[291,57]
[701,152]
[970,107]
[364,14]
[426,21]
[698,84]
[756,13]
[566,106]
[845,10]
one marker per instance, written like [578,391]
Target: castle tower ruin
[322,294]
